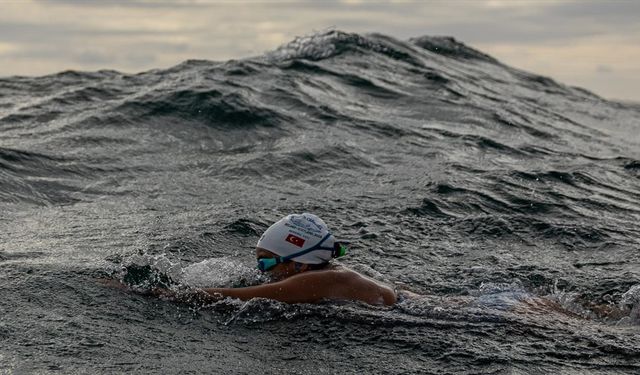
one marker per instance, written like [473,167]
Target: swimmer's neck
[301,269]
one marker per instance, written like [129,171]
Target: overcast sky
[586,43]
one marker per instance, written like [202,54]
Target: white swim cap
[296,233]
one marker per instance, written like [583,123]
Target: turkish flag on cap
[295,240]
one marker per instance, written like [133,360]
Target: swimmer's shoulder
[331,273]
[337,273]
[349,284]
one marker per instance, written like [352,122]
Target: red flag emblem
[295,240]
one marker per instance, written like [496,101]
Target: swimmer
[297,252]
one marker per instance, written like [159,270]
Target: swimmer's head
[304,239]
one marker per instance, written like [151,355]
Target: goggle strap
[337,251]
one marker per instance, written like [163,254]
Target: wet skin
[297,283]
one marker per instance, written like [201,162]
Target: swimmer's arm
[313,287]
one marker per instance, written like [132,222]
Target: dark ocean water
[510,201]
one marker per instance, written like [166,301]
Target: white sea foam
[501,296]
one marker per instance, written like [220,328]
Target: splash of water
[220,272]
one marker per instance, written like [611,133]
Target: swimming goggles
[339,249]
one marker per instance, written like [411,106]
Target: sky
[586,43]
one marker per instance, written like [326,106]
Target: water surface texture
[510,201]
